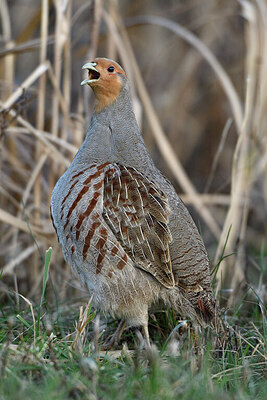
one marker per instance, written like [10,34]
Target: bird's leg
[146,333]
[115,338]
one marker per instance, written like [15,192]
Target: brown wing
[138,214]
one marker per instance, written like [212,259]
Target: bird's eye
[111,69]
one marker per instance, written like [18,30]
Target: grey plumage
[80,203]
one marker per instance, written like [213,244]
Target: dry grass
[192,68]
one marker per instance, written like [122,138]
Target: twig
[20,224]
[30,45]
[9,267]
[32,182]
[218,153]
[39,71]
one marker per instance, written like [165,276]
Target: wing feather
[137,212]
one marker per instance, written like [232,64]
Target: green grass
[45,354]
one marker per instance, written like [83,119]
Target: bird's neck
[118,112]
[104,99]
[114,136]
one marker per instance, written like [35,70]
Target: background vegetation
[198,72]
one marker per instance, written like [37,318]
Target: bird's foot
[115,338]
[109,345]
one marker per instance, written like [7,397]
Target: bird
[122,227]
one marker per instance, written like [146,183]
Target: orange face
[105,78]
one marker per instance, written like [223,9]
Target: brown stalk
[18,223]
[9,61]
[29,46]
[261,105]
[218,154]
[241,170]
[40,107]
[32,182]
[91,54]
[40,153]
[60,39]
[61,101]
[9,267]
[67,68]
[8,65]
[111,45]
[81,325]
[37,73]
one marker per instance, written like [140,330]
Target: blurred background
[198,72]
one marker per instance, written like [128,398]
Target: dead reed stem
[35,179]
[61,32]
[41,104]
[9,62]
[37,73]
[218,153]
[20,224]
[242,164]
[91,54]
[111,45]
[9,44]
[67,68]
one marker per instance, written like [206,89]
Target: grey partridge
[121,225]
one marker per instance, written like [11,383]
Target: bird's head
[106,78]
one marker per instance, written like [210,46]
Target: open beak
[93,74]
